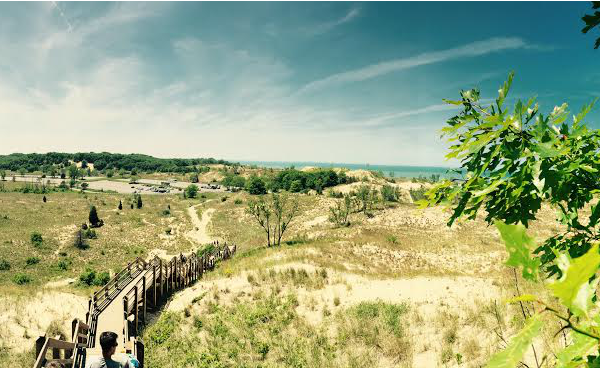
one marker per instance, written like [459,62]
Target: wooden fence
[158,280]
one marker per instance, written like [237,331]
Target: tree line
[290,180]
[31,162]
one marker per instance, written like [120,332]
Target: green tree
[3,174]
[73,172]
[389,193]
[191,191]
[515,160]
[84,186]
[93,217]
[274,215]
[139,203]
[256,185]
[194,178]
[339,213]
[592,21]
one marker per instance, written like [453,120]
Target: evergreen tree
[120,205]
[139,201]
[93,217]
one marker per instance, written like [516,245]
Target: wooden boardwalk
[122,304]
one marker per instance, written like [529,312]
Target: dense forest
[31,162]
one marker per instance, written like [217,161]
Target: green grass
[268,332]
[31,229]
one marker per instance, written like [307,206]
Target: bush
[21,279]
[30,261]
[389,193]
[90,234]
[102,278]
[223,199]
[62,265]
[4,265]
[238,201]
[87,277]
[36,239]
[94,219]
[139,203]
[191,191]
[418,194]
[79,241]
[256,185]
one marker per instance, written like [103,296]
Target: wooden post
[144,299]
[154,285]
[135,308]
[160,277]
[126,314]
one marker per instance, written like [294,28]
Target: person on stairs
[108,342]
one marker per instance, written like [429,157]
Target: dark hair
[108,339]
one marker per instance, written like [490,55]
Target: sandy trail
[199,233]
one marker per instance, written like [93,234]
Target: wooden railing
[69,354]
[158,280]
[162,279]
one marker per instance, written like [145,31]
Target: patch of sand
[60,283]
[24,318]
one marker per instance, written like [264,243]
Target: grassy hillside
[396,288]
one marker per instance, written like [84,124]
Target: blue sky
[329,82]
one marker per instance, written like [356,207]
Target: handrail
[159,277]
[104,292]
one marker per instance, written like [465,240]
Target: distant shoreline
[401,171]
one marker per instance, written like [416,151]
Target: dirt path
[199,234]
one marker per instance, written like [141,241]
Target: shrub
[223,199]
[168,231]
[389,193]
[36,239]
[30,261]
[191,191]
[94,219]
[139,203]
[21,279]
[256,185]
[4,265]
[62,265]
[102,278]
[90,234]
[120,205]
[79,241]
[238,201]
[87,277]
[418,194]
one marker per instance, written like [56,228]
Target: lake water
[399,171]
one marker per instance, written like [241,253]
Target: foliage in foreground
[516,160]
[268,332]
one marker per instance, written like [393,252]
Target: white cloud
[352,14]
[375,70]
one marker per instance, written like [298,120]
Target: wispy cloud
[375,70]
[62,15]
[327,26]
